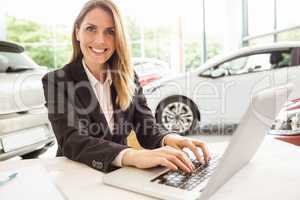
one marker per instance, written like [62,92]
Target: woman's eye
[110,32]
[90,29]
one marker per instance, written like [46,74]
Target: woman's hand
[179,142]
[165,156]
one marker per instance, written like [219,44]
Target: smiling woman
[96,40]
[99,36]
[95,101]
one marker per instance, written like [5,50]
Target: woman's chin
[97,60]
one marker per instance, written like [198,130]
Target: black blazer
[80,126]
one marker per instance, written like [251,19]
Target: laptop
[162,183]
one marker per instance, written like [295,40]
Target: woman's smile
[98,51]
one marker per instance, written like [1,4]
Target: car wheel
[177,114]
[36,153]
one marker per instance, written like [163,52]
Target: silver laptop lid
[263,108]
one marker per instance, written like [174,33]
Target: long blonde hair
[120,62]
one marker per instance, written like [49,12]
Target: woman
[95,101]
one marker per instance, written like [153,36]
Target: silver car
[24,127]
[219,91]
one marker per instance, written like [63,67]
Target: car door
[236,80]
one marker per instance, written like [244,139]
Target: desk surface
[272,174]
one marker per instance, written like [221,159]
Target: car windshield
[15,61]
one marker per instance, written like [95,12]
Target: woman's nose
[99,38]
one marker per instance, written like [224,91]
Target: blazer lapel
[85,93]
[118,113]
[120,128]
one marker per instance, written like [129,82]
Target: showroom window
[171,34]
[287,13]
[271,21]
[215,26]
[260,16]
[182,33]
[292,35]
[261,40]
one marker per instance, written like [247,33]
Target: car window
[250,64]
[279,59]
[15,60]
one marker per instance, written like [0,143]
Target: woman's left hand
[179,142]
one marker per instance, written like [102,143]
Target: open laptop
[162,183]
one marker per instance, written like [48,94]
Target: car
[24,126]
[289,117]
[151,69]
[219,91]
[286,126]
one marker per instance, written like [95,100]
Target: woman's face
[96,35]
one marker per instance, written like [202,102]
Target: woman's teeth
[98,50]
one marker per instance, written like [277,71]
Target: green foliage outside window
[51,46]
[39,41]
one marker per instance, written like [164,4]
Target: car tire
[36,153]
[178,115]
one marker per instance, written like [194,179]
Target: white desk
[274,174]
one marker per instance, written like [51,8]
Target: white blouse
[103,94]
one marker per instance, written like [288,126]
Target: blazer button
[97,164]
[94,163]
[100,165]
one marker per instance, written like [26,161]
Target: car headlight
[295,122]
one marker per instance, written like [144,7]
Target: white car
[219,91]
[24,126]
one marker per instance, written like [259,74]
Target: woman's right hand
[165,156]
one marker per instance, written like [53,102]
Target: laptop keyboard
[188,181]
